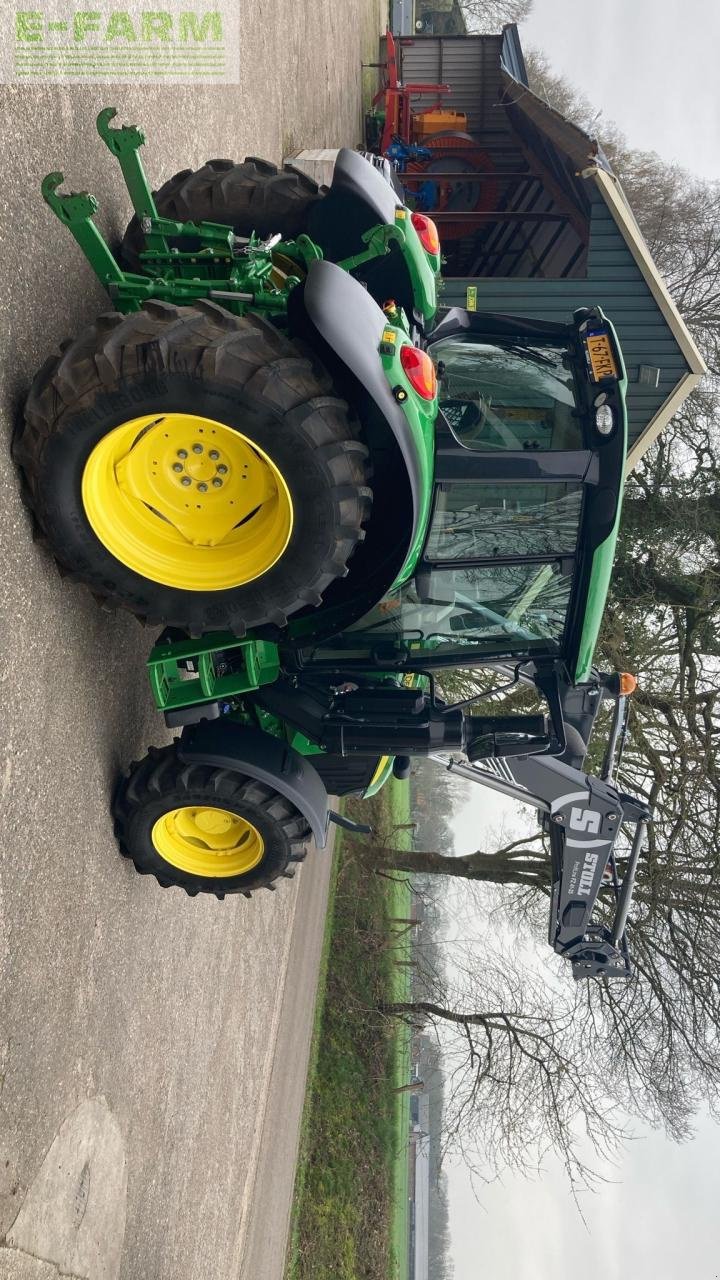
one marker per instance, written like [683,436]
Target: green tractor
[327,494]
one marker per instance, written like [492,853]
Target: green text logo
[90,26]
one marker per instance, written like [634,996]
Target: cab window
[484,521]
[498,396]
[491,607]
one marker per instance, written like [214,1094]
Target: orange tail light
[427,231]
[419,371]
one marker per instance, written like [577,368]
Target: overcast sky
[652,67]
[656,1218]
[649,65]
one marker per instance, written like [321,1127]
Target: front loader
[327,494]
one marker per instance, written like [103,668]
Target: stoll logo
[111,42]
[587,874]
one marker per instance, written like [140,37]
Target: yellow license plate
[602,360]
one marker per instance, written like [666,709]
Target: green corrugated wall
[615,283]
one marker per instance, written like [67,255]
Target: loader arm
[582,815]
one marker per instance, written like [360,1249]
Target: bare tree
[523,862]
[523,1076]
[491,15]
[662,1028]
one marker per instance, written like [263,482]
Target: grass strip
[305,1140]
[399,906]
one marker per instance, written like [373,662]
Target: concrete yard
[152,1047]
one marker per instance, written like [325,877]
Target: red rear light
[419,371]
[427,232]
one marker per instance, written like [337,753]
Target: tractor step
[187,672]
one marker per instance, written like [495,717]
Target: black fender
[362,196]
[357,199]
[351,323]
[368,183]
[224,744]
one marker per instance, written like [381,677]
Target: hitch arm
[75,211]
[378,240]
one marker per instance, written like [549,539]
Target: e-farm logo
[109,41]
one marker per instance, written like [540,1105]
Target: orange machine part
[429,122]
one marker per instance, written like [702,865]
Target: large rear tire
[204,829]
[194,468]
[252,196]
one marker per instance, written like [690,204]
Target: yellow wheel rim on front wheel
[187,502]
[205,841]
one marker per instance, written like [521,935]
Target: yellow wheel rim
[382,765]
[208,842]
[187,502]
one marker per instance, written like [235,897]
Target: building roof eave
[568,137]
[658,424]
[587,155]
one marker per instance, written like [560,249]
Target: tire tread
[247,353]
[163,773]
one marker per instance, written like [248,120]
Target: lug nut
[182,453]
[214,455]
[202,487]
[222,469]
[177,466]
[186,481]
[197,448]
[217,483]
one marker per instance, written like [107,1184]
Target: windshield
[507,396]
[513,598]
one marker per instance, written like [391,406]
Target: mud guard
[352,323]
[367,183]
[227,745]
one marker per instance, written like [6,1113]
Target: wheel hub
[187,501]
[207,841]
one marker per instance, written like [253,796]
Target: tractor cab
[530,453]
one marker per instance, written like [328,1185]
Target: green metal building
[554,230]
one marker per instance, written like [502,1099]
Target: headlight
[604,419]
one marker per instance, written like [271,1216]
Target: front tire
[108,446]
[206,830]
